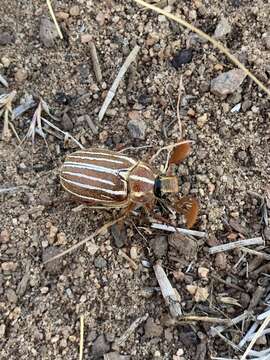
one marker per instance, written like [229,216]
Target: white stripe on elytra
[95,158]
[80,165]
[88,197]
[132,161]
[88,177]
[143,179]
[89,187]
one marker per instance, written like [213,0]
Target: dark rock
[100,262]
[100,347]
[62,98]
[267,233]
[184,56]
[137,129]
[6,38]
[119,234]
[187,337]
[159,245]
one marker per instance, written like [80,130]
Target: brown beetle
[108,179]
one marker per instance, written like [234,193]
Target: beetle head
[165,185]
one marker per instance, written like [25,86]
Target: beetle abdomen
[93,176]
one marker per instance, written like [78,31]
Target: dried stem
[178,106]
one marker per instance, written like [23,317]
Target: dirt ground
[228,170]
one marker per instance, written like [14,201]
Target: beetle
[107,179]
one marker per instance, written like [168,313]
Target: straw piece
[236,244]
[54,19]
[111,93]
[81,337]
[215,43]
[195,233]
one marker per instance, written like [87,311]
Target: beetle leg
[149,211]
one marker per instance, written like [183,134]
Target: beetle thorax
[141,181]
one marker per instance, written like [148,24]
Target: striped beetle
[108,179]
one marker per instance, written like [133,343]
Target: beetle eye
[157,187]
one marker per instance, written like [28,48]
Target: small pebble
[47,32]
[223,28]
[221,261]
[202,120]
[119,234]
[203,272]
[137,129]
[92,248]
[55,266]
[67,123]
[74,10]
[133,253]
[100,262]
[100,347]
[9,266]
[228,82]
[86,38]
[6,38]
[182,57]
[61,15]
[21,75]
[11,296]
[159,244]
[5,61]
[4,236]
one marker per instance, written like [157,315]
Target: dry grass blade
[81,337]
[111,93]
[215,43]
[54,19]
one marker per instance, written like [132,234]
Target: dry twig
[111,93]
[131,262]
[236,244]
[3,81]
[215,43]
[95,61]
